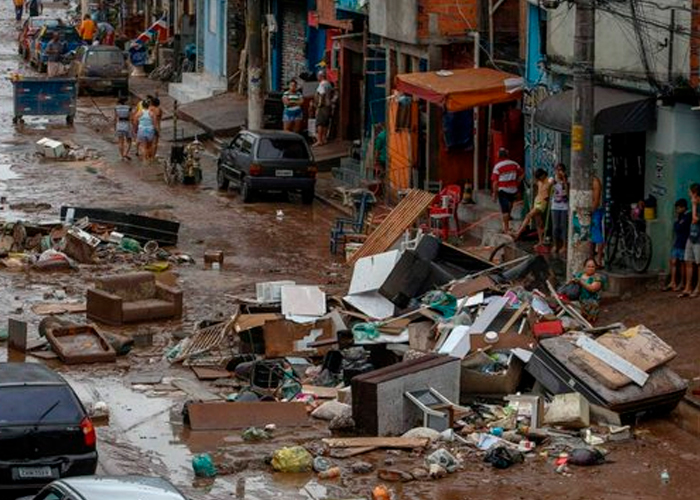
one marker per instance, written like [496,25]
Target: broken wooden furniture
[76,344]
[439,413]
[443,210]
[132,298]
[378,404]
[345,226]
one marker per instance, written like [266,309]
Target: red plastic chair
[442,211]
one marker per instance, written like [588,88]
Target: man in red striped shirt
[505,182]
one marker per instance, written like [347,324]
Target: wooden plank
[612,359]
[230,416]
[210,373]
[350,452]
[638,345]
[286,338]
[59,308]
[250,321]
[469,287]
[513,319]
[320,392]
[377,442]
[399,220]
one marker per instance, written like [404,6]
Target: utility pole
[255,64]
[581,192]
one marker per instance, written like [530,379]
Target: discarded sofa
[132,298]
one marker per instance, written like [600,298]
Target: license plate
[34,472]
[284,173]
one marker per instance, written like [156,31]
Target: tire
[246,192]
[641,253]
[221,180]
[307,197]
[611,247]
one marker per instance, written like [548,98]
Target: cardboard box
[473,381]
[570,411]
[50,148]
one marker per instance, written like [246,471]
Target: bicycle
[627,244]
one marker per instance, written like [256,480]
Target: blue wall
[534,71]
[214,42]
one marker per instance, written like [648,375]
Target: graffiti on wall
[542,145]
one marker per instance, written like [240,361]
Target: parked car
[109,488]
[268,160]
[45,433]
[69,36]
[101,68]
[29,29]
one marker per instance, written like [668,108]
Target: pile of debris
[90,236]
[486,361]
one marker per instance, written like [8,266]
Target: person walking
[681,232]
[145,131]
[54,51]
[35,8]
[157,114]
[539,207]
[87,29]
[560,209]
[505,183]
[293,114]
[597,217]
[122,127]
[19,9]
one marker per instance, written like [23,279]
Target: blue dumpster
[35,96]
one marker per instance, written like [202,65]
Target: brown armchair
[132,298]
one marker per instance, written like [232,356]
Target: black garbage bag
[586,456]
[501,457]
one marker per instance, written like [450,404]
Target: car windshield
[38,23]
[104,58]
[68,35]
[282,149]
[27,404]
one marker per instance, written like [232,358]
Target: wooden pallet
[395,224]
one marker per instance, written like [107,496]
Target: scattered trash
[255,434]
[444,459]
[665,477]
[502,457]
[586,456]
[294,459]
[203,466]
[321,464]
[362,468]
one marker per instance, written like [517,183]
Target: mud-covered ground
[145,432]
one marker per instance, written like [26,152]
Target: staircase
[197,86]
[485,220]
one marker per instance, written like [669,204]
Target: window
[282,149]
[104,58]
[50,494]
[27,404]
[246,146]
[213,16]
[236,143]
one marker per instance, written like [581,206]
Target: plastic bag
[502,457]
[293,459]
[203,465]
[571,290]
[444,459]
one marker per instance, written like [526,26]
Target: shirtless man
[597,215]
[539,208]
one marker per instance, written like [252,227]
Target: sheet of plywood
[303,301]
[372,304]
[249,321]
[377,442]
[210,373]
[471,286]
[350,452]
[286,338]
[228,416]
[401,218]
[59,308]
[320,392]
[638,345]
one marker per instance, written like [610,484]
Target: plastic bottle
[665,477]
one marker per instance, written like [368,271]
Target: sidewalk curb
[327,201]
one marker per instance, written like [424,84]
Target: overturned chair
[132,298]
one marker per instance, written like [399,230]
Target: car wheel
[221,180]
[246,192]
[307,197]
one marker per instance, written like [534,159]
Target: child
[544,186]
[681,230]
[560,208]
[692,247]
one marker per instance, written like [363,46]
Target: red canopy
[460,89]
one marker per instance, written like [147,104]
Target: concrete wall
[214,31]
[293,32]
[395,19]
[617,45]
[673,164]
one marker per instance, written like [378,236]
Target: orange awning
[460,89]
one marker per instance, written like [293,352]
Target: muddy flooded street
[145,394]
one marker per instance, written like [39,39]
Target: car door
[244,158]
[228,156]
[51,492]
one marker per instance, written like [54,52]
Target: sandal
[669,288]
[695,294]
[683,294]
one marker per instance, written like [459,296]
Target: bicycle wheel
[611,247]
[641,253]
